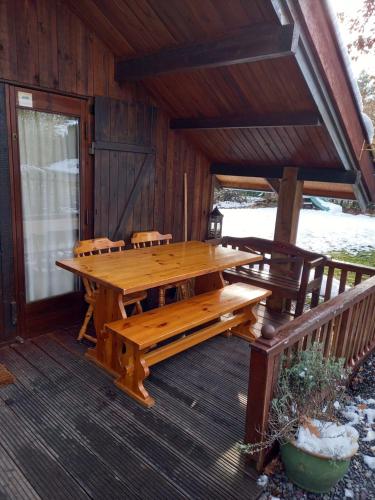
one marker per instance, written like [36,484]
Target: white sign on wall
[25,99]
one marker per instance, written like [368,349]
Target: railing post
[262,379]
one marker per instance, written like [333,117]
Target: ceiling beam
[271,120]
[260,42]
[333,175]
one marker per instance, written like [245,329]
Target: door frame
[47,314]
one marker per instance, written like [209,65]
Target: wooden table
[121,273]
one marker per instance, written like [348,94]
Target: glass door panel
[49,165]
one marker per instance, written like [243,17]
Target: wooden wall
[44,45]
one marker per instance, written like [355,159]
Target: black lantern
[215,224]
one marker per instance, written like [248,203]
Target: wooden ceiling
[135,28]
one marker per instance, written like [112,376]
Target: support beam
[260,42]
[334,175]
[272,120]
[287,218]
[289,206]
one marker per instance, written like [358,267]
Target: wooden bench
[288,271]
[136,336]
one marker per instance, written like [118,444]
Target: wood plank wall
[43,44]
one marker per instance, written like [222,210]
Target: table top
[136,270]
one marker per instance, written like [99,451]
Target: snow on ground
[318,231]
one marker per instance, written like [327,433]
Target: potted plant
[315,449]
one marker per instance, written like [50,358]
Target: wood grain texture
[161,324]
[141,269]
[137,335]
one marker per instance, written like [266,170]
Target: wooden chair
[151,238]
[96,247]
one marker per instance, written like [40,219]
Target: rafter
[271,120]
[260,42]
[333,175]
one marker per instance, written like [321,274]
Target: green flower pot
[310,471]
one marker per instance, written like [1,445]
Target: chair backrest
[96,246]
[149,238]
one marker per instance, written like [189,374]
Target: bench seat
[207,314]
[290,272]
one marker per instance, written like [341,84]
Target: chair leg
[138,307]
[82,332]
[184,291]
[161,296]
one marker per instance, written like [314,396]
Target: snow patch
[262,481]
[370,435]
[352,414]
[370,415]
[369,461]
[318,231]
[334,441]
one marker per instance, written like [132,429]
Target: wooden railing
[344,325]
[346,274]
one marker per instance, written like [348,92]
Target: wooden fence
[344,324]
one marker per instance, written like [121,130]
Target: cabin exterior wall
[45,46]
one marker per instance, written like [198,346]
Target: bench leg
[246,330]
[134,370]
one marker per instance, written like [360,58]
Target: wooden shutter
[124,151]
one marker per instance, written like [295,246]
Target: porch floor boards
[66,430]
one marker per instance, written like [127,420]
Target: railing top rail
[270,245]
[288,334]
[350,266]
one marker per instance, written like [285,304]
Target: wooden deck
[67,431]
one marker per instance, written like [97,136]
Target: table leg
[209,282]
[108,307]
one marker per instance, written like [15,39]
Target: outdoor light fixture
[215,224]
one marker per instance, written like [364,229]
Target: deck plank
[193,467]
[68,415]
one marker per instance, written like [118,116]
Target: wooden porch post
[287,217]
[288,207]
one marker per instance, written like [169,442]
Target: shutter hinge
[92,149]
[13,312]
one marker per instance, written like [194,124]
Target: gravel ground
[359,482]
